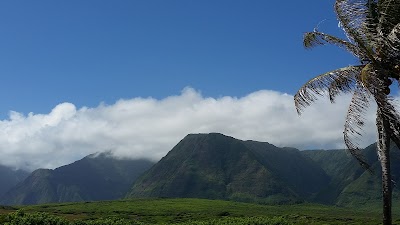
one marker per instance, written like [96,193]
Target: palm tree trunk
[383,153]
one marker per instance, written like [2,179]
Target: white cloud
[147,127]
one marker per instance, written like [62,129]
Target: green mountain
[367,187]
[351,185]
[10,177]
[212,166]
[215,166]
[342,169]
[95,177]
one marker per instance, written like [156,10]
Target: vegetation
[373,31]
[216,166]
[21,218]
[188,211]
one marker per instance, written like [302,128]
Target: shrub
[21,218]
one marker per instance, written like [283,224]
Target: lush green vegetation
[215,166]
[21,218]
[187,211]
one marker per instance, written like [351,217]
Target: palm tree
[372,28]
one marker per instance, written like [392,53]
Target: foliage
[21,218]
[39,218]
[198,211]
[107,221]
[242,221]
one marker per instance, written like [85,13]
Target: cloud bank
[149,128]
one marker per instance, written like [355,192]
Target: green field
[201,211]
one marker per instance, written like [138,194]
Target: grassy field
[186,211]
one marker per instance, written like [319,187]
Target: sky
[135,77]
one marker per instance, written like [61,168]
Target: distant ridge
[95,177]
[350,184]
[9,177]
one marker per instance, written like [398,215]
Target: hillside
[350,184]
[215,166]
[342,169]
[95,177]
[367,187]
[10,177]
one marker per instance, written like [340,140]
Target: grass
[170,211]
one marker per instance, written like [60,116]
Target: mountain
[351,185]
[342,169]
[212,166]
[215,166]
[95,177]
[10,177]
[367,187]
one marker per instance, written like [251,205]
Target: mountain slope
[367,187]
[350,184]
[342,169]
[10,177]
[300,173]
[219,167]
[91,178]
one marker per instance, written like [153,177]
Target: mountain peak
[221,167]
[207,135]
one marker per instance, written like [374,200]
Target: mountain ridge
[9,177]
[214,166]
[88,179]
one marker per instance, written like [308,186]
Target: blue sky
[87,52]
[136,76]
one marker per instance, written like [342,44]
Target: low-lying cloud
[149,128]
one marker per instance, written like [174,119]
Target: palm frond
[389,15]
[331,83]
[342,84]
[312,39]
[353,16]
[387,110]
[393,45]
[394,36]
[372,17]
[354,122]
